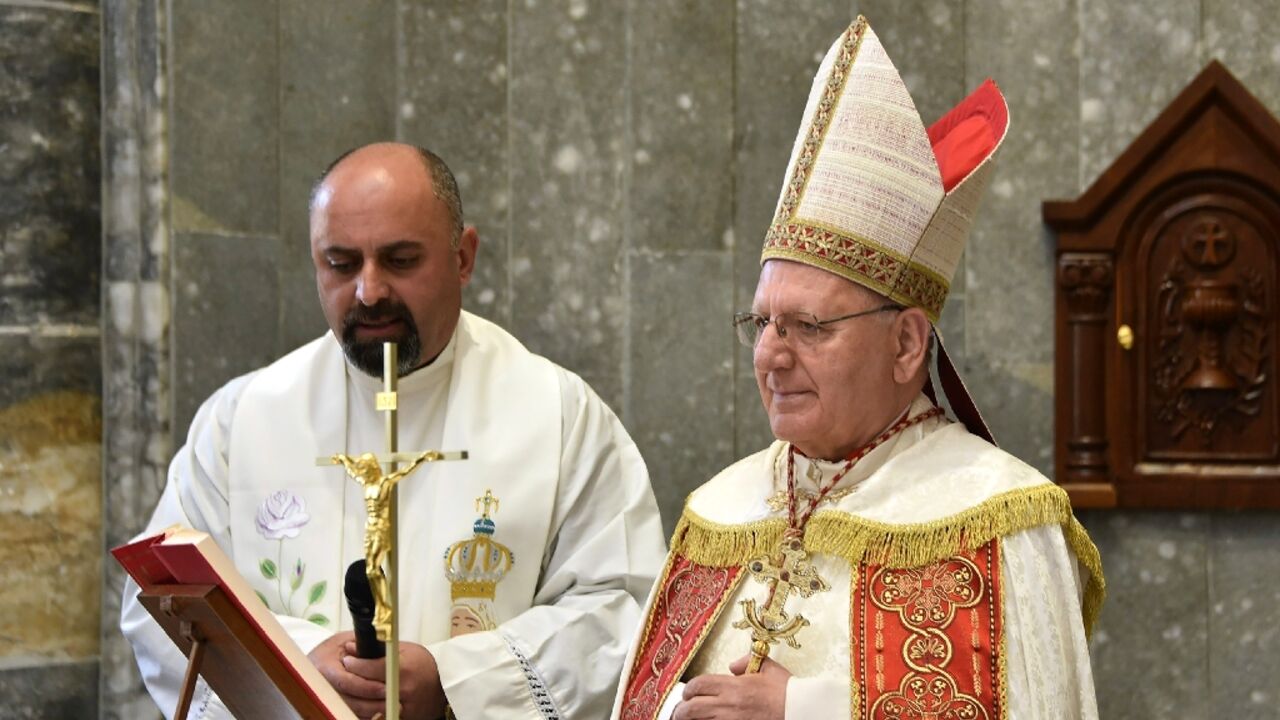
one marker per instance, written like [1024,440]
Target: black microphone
[360,602]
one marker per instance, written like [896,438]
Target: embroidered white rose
[282,515]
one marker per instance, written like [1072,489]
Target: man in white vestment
[878,560]
[521,569]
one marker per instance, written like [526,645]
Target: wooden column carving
[1085,280]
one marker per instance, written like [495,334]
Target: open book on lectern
[193,590]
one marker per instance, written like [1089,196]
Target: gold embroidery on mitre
[864,197]
[474,567]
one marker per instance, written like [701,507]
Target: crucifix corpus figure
[366,470]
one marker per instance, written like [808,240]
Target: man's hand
[363,695]
[738,696]
[421,695]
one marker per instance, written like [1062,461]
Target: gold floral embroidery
[926,602]
[932,697]
[929,595]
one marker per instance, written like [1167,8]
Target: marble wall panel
[64,690]
[751,422]
[1030,50]
[135,346]
[50,406]
[34,365]
[453,100]
[926,41]
[327,107]
[49,212]
[224,166]
[681,409]
[51,525]
[215,334]
[1135,57]
[777,49]
[681,105]
[1231,34]
[567,105]
[1244,614]
[1150,646]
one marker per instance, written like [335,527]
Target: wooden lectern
[224,647]
[230,638]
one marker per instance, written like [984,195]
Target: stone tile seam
[658,254]
[35,662]
[628,246]
[51,330]
[85,8]
[227,234]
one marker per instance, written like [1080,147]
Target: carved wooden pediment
[1165,320]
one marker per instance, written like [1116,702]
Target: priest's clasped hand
[361,683]
[739,696]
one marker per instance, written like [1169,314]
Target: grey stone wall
[621,160]
[50,411]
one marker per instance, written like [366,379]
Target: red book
[250,661]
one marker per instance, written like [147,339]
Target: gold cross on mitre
[380,504]
[789,572]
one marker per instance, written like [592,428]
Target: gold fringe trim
[901,546]
[1095,592]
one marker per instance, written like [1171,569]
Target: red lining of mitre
[968,134]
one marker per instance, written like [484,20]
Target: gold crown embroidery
[475,566]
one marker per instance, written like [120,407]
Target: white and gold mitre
[873,196]
[475,566]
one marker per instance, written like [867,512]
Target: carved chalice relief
[1200,378]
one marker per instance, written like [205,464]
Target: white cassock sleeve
[562,657]
[1047,654]
[195,496]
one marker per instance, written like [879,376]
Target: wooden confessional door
[1196,389]
[1166,324]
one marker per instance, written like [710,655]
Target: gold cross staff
[381,508]
[789,572]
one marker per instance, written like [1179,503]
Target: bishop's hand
[760,696]
[421,695]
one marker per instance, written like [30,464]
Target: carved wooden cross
[789,572]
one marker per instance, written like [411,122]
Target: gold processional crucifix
[380,532]
[789,571]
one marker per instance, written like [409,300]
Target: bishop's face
[833,396]
[386,268]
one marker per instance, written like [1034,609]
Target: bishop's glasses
[795,328]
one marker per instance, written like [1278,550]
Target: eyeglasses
[802,327]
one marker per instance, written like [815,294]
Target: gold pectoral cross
[788,572]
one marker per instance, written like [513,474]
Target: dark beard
[367,355]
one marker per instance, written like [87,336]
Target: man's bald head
[390,252]
[443,184]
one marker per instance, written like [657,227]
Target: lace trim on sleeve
[542,699]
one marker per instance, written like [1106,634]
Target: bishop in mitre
[878,560]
